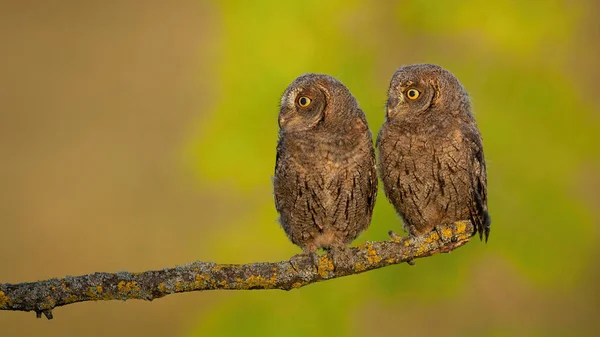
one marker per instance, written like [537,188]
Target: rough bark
[43,296]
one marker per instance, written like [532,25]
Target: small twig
[43,296]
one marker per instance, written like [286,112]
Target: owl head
[420,90]
[315,99]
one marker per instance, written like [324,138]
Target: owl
[431,158]
[325,181]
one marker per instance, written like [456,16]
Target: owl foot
[299,260]
[342,258]
[394,236]
[440,233]
[397,238]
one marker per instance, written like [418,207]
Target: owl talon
[342,258]
[394,236]
[440,233]
[298,260]
[315,259]
[294,262]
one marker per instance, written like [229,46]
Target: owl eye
[304,101]
[412,94]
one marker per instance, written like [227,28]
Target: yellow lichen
[162,287]
[217,267]
[396,239]
[390,261]
[128,288]
[433,237]
[254,281]
[203,280]
[406,243]
[48,303]
[4,300]
[94,292]
[239,283]
[178,286]
[91,293]
[260,282]
[461,227]
[71,299]
[372,255]
[297,285]
[325,266]
[464,236]
[421,249]
[359,267]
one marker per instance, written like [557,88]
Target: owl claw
[315,259]
[294,262]
[440,233]
[397,238]
[342,258]
[394,236]
[298,260]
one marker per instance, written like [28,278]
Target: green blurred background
[136,136]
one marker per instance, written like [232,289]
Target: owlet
[325,179]
[430,152]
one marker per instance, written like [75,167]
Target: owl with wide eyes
[325,181]
[431,158]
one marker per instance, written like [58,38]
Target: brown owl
[430,152]
[325,179]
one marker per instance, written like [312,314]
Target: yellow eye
[413,94]
[304,101]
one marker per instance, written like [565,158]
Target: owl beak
[392,103]
[389,114]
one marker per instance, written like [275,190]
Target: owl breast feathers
[325,181]
[430,152]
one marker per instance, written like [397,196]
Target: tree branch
[43,296]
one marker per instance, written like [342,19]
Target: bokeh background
[140,135]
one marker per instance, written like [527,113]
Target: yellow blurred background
[141,135]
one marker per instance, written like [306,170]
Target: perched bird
[431,153]
[325,181]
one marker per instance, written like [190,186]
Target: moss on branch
[43,296]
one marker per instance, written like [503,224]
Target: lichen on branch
[43,296]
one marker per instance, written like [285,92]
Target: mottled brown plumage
[431,153]
[325,179]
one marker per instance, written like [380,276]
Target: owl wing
[478,198]
[372,185]
[285,192]
[372,179]
[276,177]
[296,198]
[356,198]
